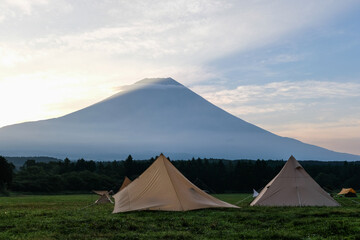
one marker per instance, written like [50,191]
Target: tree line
[213,175]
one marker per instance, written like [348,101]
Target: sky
[290,67]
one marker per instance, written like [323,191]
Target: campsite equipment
[163,187]
[104,197]
[126,182]
[347,192]
[255,193]
[293,186]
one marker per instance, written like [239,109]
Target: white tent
[163,187]
[293,186]
[255,193]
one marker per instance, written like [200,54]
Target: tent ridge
[172,184]
[297,184]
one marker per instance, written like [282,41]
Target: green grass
[67,217]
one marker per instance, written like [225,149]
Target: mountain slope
[149,117]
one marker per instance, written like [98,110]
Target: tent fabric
[293,186]
[126,182]
[100,193]
[162,187]
[104,197]
[347,192]
[255,193]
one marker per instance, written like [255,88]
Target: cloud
[316,112]
[24,17]
[179,32]
[81,51]
[158,36]
[133,40]
[25,6]
[283,58]
[280,92]
[11,57]
[339,135]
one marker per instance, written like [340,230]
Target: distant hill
[150,117]
[19,161]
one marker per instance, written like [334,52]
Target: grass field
[67,217]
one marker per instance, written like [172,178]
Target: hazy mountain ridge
[149,117]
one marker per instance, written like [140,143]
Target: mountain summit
[149,117]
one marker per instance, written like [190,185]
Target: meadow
[72,217]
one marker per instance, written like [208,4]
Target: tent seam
[172,184]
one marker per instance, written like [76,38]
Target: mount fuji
[149,117]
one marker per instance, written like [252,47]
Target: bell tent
[163,187]
[126,182]
[347,192]
[293,186]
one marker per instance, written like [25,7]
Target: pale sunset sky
[290,67]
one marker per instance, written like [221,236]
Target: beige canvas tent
[163,187]
[293,186]
[126,182]
[104,197]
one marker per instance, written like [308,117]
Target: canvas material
[163,187]
[125,183]
[100,193]
[104,198]
[293,186]
[346,191]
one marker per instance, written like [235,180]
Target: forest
[212,175]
